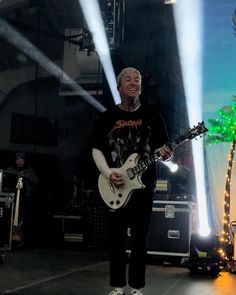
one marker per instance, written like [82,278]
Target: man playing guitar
[129,128]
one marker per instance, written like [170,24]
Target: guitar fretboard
[145,163]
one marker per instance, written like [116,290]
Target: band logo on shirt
[122,123]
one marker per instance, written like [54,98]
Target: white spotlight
[171,165]
[170,1]
[174,168]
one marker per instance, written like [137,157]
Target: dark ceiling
[44,22]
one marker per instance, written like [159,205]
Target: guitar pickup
[130,173]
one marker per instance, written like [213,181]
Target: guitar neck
[142,165]
[145,163]
[16,215]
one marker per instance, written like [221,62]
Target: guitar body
[17,234]
[114,197]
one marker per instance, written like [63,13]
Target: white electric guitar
[132,171]
[17,235]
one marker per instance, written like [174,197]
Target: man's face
[20,162]
[130,85]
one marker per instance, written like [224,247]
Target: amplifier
[6,220]
[68,228]
[172,224]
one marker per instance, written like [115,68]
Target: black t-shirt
[119,133]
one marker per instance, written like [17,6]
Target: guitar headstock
[197,130]
[190,134]
[19,184]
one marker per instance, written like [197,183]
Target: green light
[224,128]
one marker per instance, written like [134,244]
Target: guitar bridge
[130,173]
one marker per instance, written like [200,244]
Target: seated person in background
[26,208]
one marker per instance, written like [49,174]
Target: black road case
[172,224]
[6,220]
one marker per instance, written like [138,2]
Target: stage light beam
[95,24]
[18,40]
[188,22]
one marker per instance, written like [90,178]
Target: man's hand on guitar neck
[116,179]
[166,153]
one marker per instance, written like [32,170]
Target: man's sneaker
[136,292]
[117,291]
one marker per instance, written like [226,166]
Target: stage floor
[86,272]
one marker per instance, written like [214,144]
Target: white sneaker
[136,292]
[117,291]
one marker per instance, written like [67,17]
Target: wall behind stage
[219,76]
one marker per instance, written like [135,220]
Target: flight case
[6,220]
[172,224]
